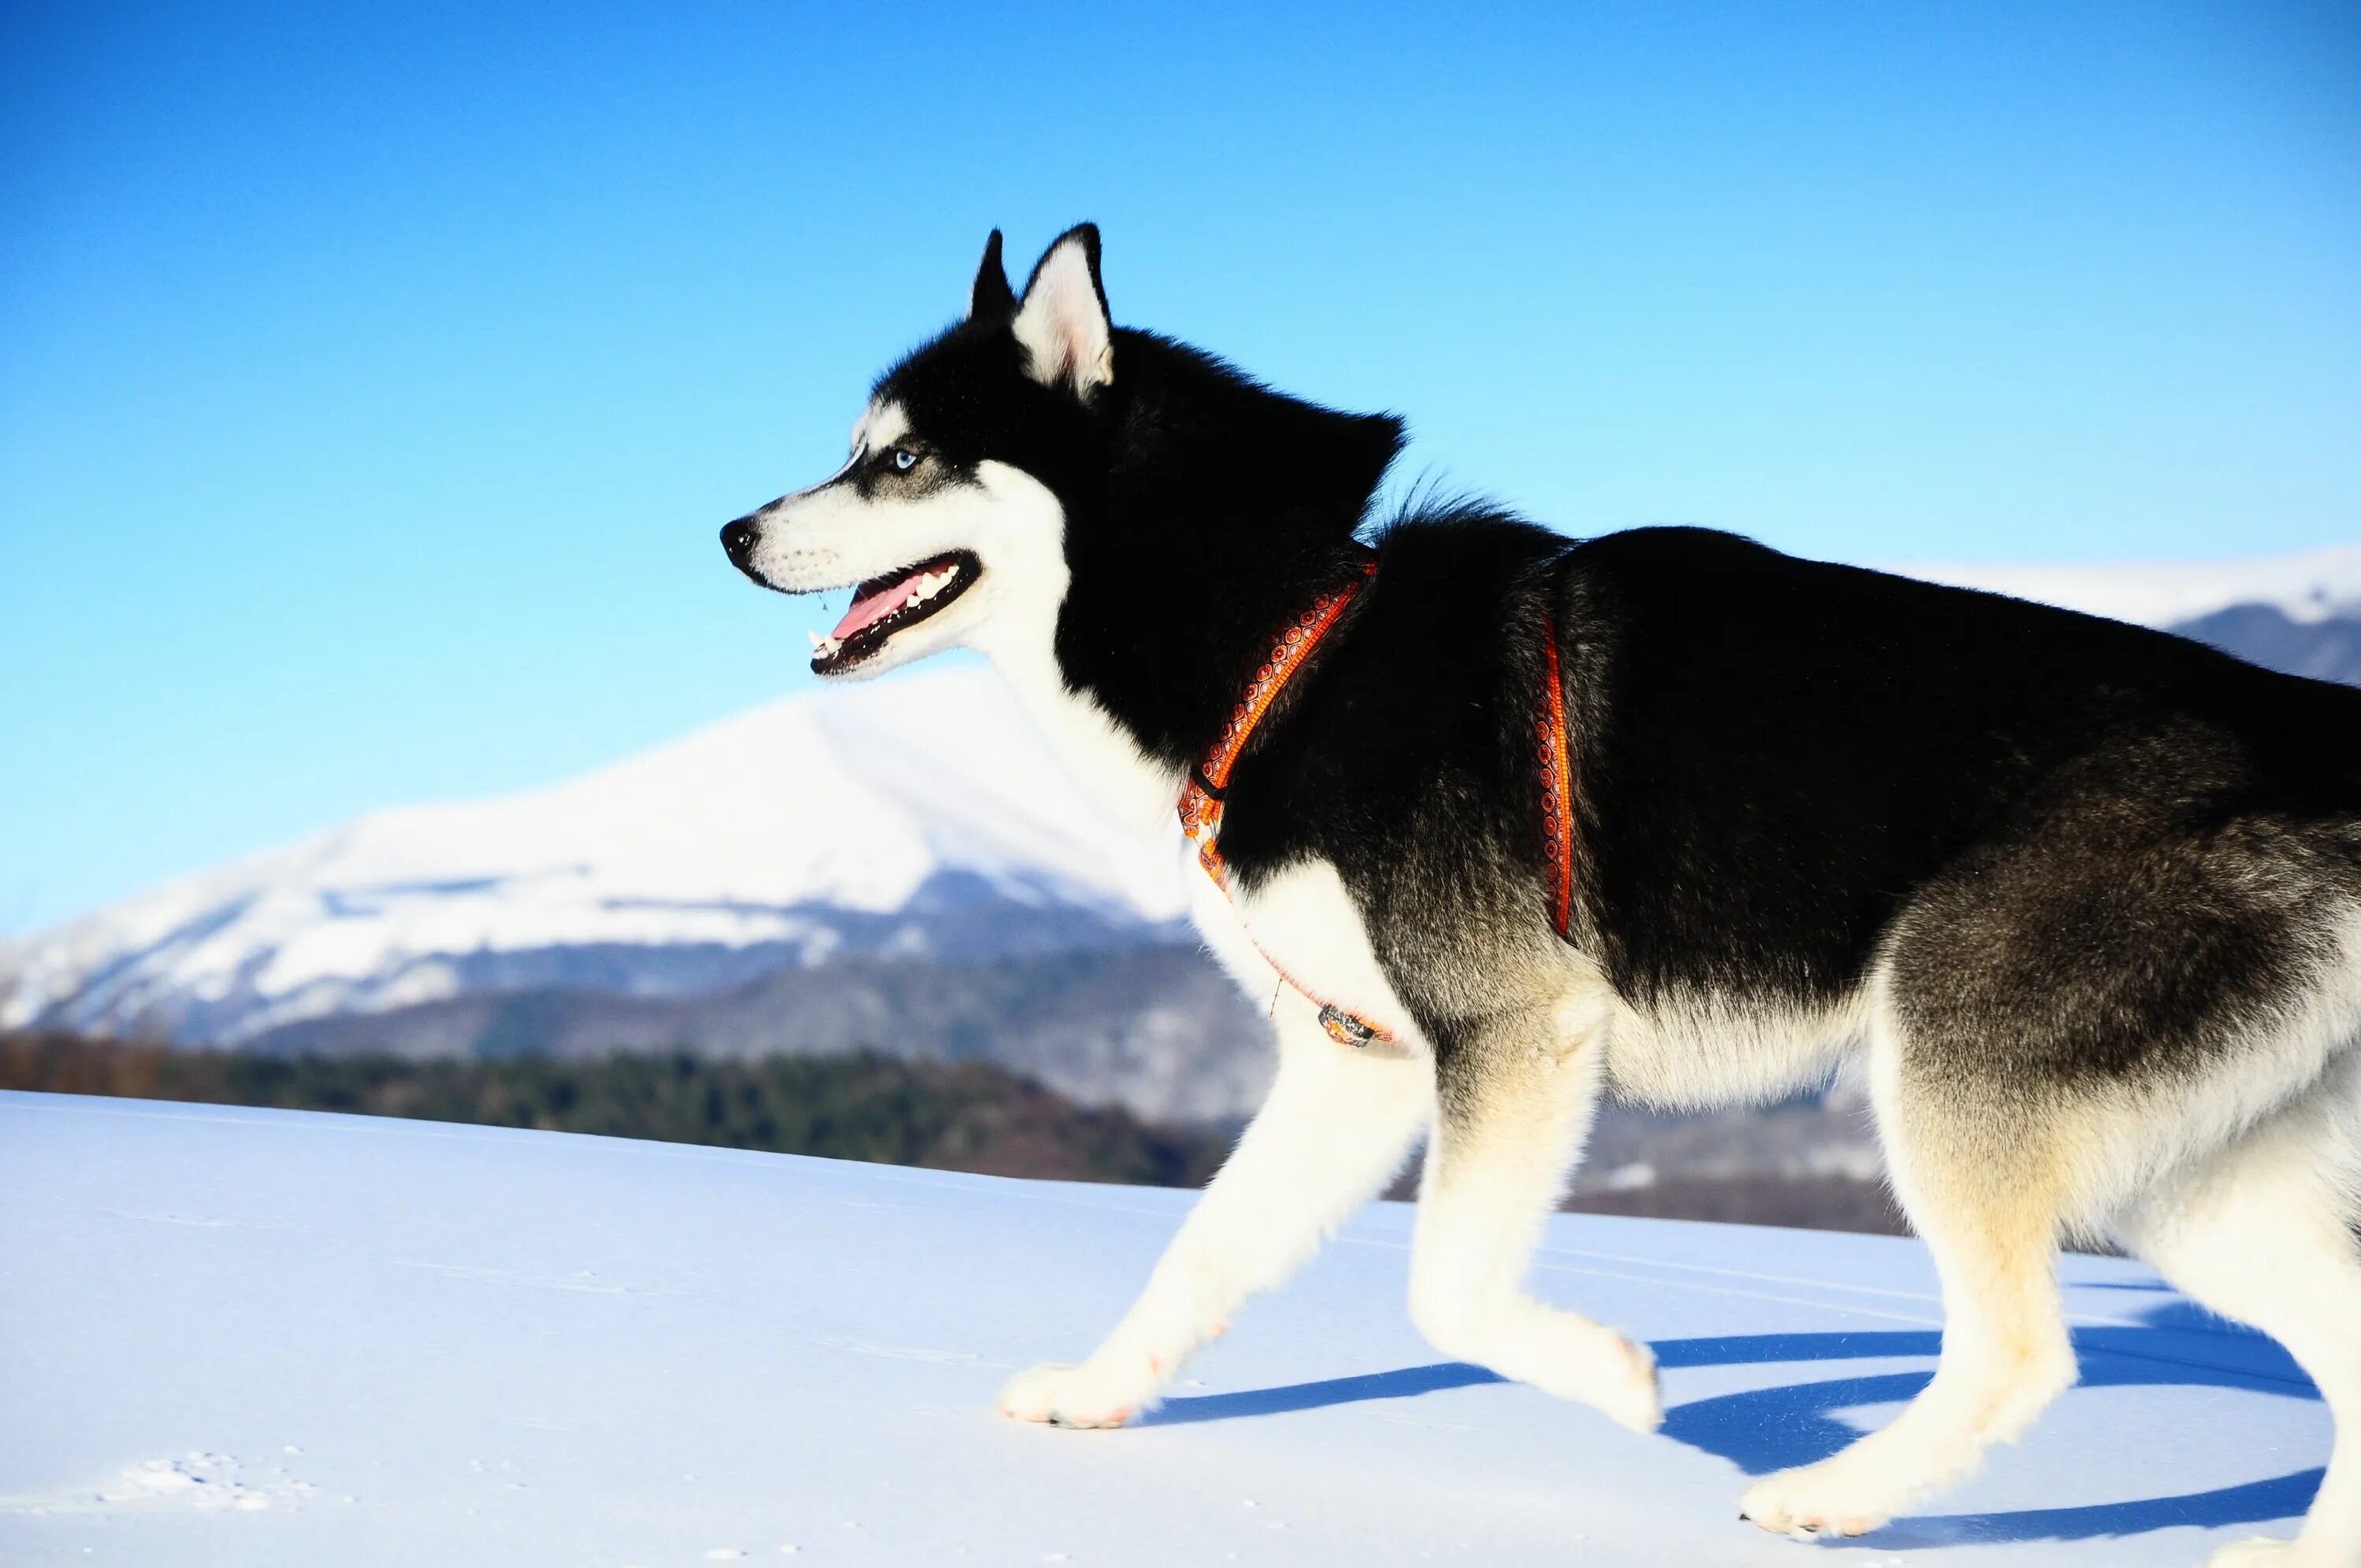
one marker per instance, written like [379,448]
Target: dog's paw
[2264,1553]
[1828,1498]
[1082,1396]
[1630,1393]
[1592,1365]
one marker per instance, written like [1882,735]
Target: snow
[2308,588]
[251,1338]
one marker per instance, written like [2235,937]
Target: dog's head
[945,518]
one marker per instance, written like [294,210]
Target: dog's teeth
[816,638]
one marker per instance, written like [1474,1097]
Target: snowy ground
[252,1338]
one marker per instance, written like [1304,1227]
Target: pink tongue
[876,607]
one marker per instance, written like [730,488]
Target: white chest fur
[1297,941]
[1124,782]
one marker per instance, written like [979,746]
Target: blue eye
[904,459]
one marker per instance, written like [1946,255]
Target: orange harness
[1200,798]
[1558,782]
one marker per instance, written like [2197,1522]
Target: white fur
[1493,1174]
[1697,1050]
[1303,922]
[879,424]
[1127,785]
[2259,1233]
[1025,564]
[1063,324]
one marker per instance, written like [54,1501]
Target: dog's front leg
[1515,1102]
[1331,1135]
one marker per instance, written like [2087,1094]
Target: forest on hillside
[947,1116]
[969,1116]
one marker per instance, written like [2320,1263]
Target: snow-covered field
[250,1338]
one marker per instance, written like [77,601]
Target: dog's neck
[1227,509]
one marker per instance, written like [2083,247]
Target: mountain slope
[1158,1030]
[920,817]
[2301,614]
[2306,588]
[2328,649]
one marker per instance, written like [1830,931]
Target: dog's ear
[990,299]
[1063,321]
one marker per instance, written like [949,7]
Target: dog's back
[1793,752]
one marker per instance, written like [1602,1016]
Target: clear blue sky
[372,386]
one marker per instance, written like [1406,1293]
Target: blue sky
[372,383]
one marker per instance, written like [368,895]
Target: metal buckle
[1345,1029]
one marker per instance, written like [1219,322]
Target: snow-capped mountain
[2296,613]
[922,817]
[2306,589]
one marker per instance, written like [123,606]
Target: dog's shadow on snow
[1763,1430]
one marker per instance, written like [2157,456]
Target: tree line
[948,1116]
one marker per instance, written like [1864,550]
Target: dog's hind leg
[2261,1232]
[1514,1104]
[1331,1135]
[1979,1184]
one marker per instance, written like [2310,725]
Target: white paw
[1557,1352]
[1076,1397]
[1628,1391]
[1831,1498]
[1593,1364]
[2262,1553]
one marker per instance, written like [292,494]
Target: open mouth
[883,605]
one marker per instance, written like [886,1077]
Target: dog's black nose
[738,539]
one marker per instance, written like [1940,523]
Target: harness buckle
[1347,1029]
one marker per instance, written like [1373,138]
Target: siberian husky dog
[2083,900]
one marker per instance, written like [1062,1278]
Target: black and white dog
[2084,900]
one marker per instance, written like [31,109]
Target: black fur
[990,300]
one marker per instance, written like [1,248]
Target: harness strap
[1557,783]
[1202,796]
[1201,801]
